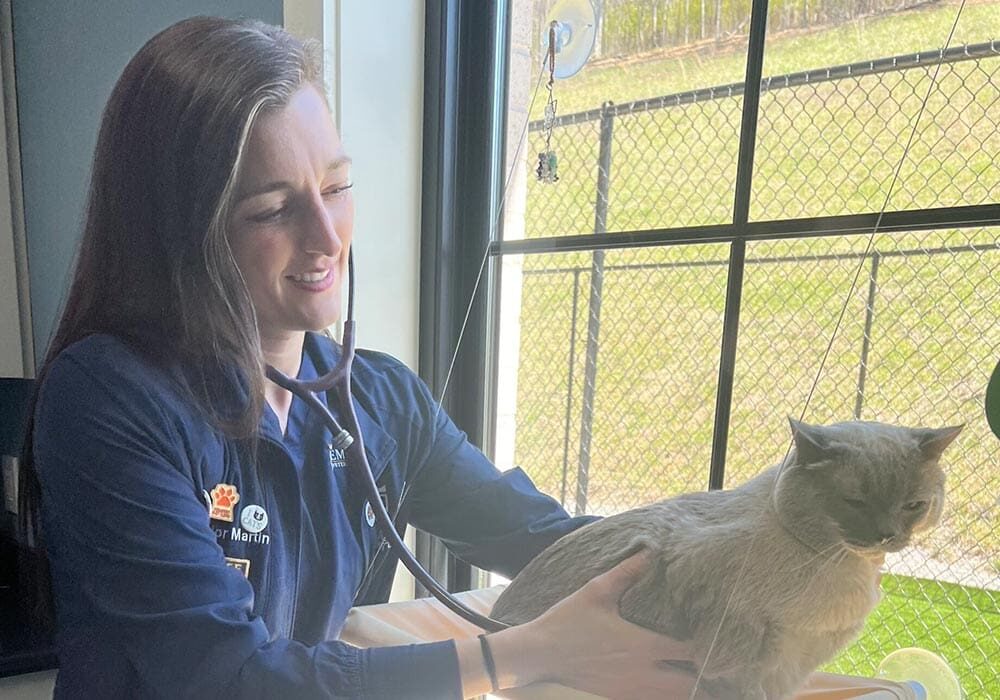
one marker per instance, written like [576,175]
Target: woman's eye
[338,190]
[269,215]
[915,505]
[280,212]
[854,502]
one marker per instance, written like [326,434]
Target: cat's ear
[810,445]
[934,441]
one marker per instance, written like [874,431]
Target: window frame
[465,99]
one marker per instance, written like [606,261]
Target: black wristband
[491,667]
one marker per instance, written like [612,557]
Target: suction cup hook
[575,25]
[567,40]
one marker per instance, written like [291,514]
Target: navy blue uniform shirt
[183,567]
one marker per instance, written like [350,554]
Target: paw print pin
[224,500]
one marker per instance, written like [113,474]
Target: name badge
[241,565]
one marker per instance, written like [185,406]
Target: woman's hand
[584,643]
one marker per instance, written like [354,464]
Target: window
[667,302]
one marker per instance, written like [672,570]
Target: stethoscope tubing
[351,440]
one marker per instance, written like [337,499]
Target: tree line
[627,27]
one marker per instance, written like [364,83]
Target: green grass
[956,623]
[823,150]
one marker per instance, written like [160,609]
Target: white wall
[11,363]
[379,85]
[31,686]
[10,323]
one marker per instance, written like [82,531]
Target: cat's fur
[791,558]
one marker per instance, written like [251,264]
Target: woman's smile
[318,281]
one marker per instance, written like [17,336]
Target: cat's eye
[915,505]
[854,502]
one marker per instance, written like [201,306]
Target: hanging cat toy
[570,32]
[548,162]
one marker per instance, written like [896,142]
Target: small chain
[547,160]
[550,106]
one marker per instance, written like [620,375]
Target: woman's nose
[319,229]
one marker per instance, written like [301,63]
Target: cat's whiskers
[873,552]
[839,546]
[835,559]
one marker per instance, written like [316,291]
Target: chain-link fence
[619,350]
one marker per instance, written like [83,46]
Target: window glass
[843,97]
[609,360]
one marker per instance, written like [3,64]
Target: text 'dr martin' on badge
[253,518]
[241,565]
[224,500]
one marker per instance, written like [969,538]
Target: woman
[203,536]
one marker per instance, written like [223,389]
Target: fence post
[866,339]
[594,321]
[569,383]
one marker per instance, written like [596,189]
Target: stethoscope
[351,441]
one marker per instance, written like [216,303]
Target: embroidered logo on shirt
[253,518]
[224,500]
[337,458]
[241,565]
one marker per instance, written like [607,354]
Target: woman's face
[291,224]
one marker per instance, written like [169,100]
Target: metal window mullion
[437,221]
[737,250]
[905,221]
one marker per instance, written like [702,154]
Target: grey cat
[788,563]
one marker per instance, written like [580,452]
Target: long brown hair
[154,267]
